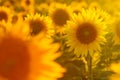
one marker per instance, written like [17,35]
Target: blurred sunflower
[5,14]
[59,14]
[77,6]
[43,8]
[94,5]
[18,18]
[9,5]
[39,25]
[15,19]
[22,58]
[28,5]
[13,2]
[23,14]
[116,31]
[106,4]
[85,32]
[104,16]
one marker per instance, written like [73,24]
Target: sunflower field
[59,40]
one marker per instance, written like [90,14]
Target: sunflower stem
[89,61]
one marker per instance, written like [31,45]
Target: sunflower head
[43,8]
[77,6]
[17,17]
[59,14]
[9,5]
[14,19]
[28,5]
[94,5]
[104,16]
[111,10]
[85,32]
[5,14]
[23,58]
[39,25]
[22,14]
[115,30]
[15,59]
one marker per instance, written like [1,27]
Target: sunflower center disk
[86,33]
[14,59]
[7,66]
[14,19]
[3,16]
[36,27]
[27,2]
[60,17]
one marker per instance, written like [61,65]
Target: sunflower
[15,19]
[59,14]
[106,5]
[116,31]
[18,17]
[39,25]
[104,16]
[94,5]
[9,5]
[5,14]
[77,6]
[22,14]
[43,8]
[85,32]
[28,5]
[23,58]
[13,2]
